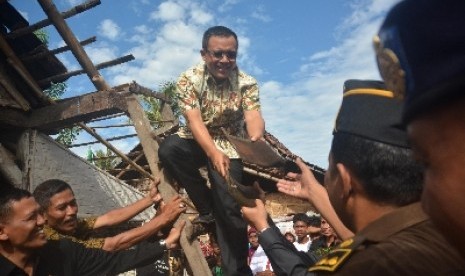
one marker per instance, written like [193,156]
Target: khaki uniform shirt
[82,235]
[403,242]
[221,106]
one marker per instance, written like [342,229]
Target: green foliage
[66,136]
[105,160]
[152,106]
[56,90]
[42,35]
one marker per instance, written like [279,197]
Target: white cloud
[169,11]
[260,14]
[101,53]
[109,29]
[303,112]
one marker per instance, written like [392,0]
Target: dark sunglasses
[231,55]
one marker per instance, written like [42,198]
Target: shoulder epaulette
[337,256]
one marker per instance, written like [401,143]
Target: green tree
[152,106]
[66,136]
[105,160]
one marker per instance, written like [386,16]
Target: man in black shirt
[24,249]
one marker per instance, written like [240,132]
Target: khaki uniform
[403,242]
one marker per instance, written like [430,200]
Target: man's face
[61,214]
[334,186]
[253,239]
[220,56]
[24,228]
[300,229]
[438,143]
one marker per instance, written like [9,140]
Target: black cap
[421,52]
[370,111]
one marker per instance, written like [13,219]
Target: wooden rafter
[46,22]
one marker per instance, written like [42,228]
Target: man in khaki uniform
[375,189]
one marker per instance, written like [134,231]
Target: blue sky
[300,52]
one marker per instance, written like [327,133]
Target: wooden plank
[192,249]
[9,169]
[67,112]
[14,93]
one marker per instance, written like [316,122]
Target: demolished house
[29,156]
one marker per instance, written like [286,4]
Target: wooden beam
[17,65]
[56,51]
[192,249]
[128,167]
[14,93]
[99,66]
[67,112]
[43,23]
[78,51]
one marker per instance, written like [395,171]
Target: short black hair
[217,31]
[47,189]
[388,173]
[314,221]
[7,197]
[300,217]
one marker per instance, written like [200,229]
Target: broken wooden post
[150,147]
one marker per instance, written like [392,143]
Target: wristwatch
[162,243]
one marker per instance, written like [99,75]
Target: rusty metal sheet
[257,152]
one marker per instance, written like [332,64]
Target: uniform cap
[370,111]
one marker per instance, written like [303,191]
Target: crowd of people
[392,195]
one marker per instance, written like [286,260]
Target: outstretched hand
[175,233]
[154,194]
[304,185]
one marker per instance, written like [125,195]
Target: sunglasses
[231,55]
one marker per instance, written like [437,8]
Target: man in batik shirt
[60,209]
[212,95]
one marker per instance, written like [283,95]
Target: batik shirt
[82,235]
[221,105]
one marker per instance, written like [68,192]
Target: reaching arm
[281,255]
[255,124]
[120,215]
[167,215]
[307,187]
[219,160]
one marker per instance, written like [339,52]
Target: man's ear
[3,235]
[346,179]
[203,53]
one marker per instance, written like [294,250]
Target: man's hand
[256,216]
[305,185]
[154,194]
[175,233]
[220,162]
[171,210]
